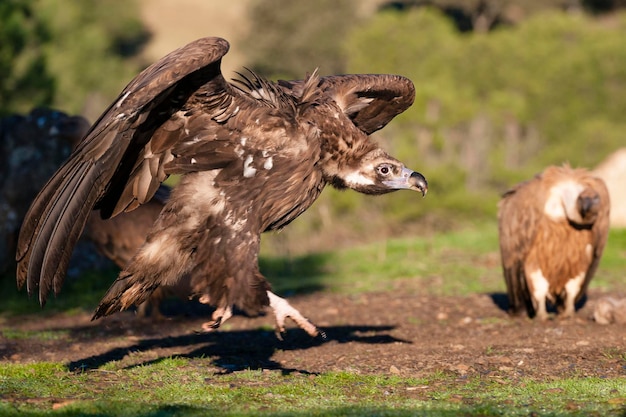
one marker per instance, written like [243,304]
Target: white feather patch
[268,163]
[573,286]
[540,285]
[248,170]
[121,100]
[356,178]
[561,202]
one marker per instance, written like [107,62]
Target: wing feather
[518,215]
[370,100]
[100,169]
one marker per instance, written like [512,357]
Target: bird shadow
[242,349]
[501,300]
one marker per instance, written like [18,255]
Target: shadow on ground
[243,349]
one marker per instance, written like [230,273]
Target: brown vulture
[253,155]
[553,229]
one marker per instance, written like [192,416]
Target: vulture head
[588,206]
[573,199]
[348,109]
[378,173]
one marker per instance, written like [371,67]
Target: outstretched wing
[518,215]
[122,159]
[370,100]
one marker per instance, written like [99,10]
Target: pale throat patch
[356,178]
[561,201]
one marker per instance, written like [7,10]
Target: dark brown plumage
[119,237]
[553,229]
[253,156]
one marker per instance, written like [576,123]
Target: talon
[282,310]
[210,326]
[220,315]
[217,323]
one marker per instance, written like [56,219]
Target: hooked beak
[408,180]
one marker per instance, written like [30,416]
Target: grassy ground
[451,264]
[181,387]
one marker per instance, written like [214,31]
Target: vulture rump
[253,155]
[553,229]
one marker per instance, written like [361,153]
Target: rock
[613,171]
[610,310]
[32,147]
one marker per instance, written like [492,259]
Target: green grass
[183,387]
[456,263]
[77,294]
[39,334]
[469,255]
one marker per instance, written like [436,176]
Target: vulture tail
[128,289]
[52,227]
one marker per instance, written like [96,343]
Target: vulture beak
[408,180]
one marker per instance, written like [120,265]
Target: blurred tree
[289,38]
[485,15]
[24,78]
[70,54]
[494,108]
[92,52]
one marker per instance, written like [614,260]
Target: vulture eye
[384,169]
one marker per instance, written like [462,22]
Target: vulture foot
[220,315]
[282,310]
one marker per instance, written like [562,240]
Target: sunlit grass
[184,387]
[455,263]
[39,334]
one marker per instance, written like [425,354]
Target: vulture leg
[539,288]
[572,289]
[282,310]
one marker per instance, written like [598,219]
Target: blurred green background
[504,88]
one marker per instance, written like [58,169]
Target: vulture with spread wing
[252,155]
[553,229]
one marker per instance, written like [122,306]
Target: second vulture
[553,229]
